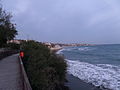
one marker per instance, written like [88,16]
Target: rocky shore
[76,84]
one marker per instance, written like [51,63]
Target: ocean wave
[85,48]
[74,48]
[60,51]
[102,75]
[65,49]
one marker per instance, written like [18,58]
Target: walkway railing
[26,84]
[6,53]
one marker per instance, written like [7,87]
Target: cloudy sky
[67,21]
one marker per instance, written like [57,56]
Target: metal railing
[6,53]
[26,84]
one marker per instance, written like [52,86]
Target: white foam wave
[65,49]
[60,51]
[85,49]
[99,75]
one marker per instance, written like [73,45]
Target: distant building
[47,44]
[14,41]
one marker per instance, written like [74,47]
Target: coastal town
[52,46]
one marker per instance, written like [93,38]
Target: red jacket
[22,54]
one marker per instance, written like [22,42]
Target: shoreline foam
[71,77]
[100,75]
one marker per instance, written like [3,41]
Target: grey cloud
[87,21]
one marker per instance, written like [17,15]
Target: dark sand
[77,84]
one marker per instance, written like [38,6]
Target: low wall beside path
[5,53]
[26,84]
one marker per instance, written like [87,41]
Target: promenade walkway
[10,76]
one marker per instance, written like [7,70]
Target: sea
[98,65]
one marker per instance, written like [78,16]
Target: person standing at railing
[21,54]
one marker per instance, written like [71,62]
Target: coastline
[74,83]
[56,49]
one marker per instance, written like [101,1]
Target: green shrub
[13,46]
[45,70]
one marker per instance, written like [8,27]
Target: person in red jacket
[21,54]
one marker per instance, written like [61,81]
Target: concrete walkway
[10,76]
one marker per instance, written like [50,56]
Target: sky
[66,21]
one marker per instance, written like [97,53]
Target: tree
[7,28]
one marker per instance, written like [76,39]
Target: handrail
[6,53]
[26,84]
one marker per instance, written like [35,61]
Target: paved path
[10,77]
